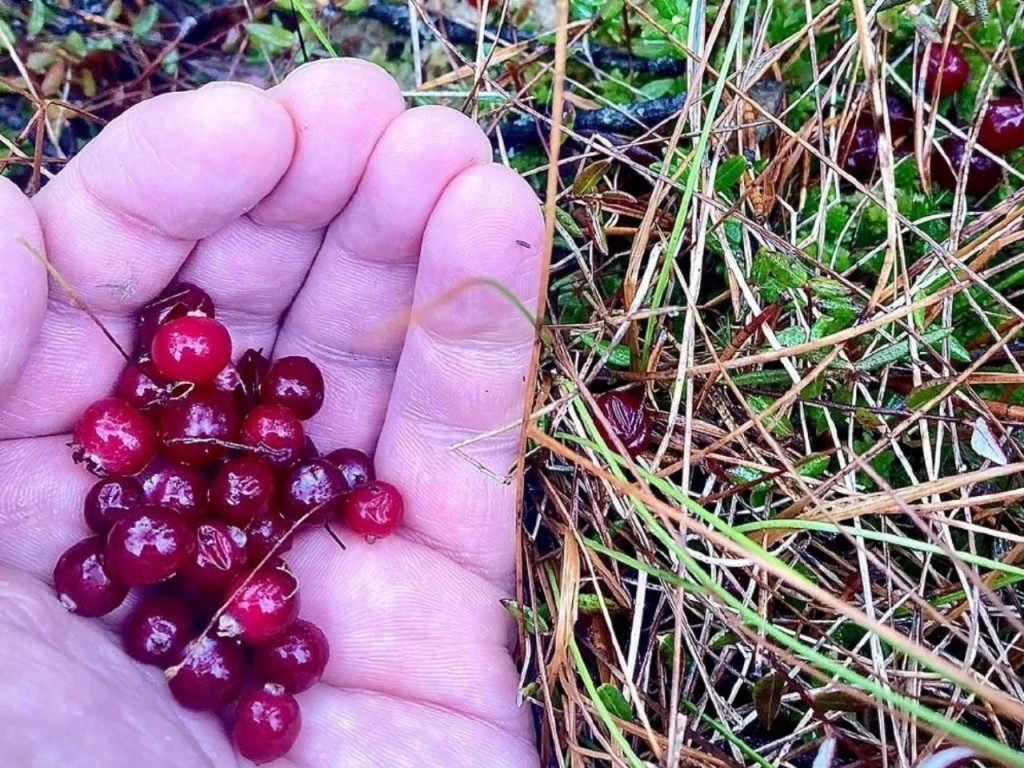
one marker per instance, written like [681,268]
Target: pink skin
[420,668]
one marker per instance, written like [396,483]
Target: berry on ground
[157,631]
[191,349]
[628,419]
[858,149]
[295,659]
[260,606]
[83,582]
[211,675]
[267,724]
[983,173]
[945,74]
[1002,125]
[373,510]
[109,500]
[113,438]
[295,382]
[149,545]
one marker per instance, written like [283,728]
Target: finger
[121,218]
[463,370]
[254,267]
[364,274]
[22,284]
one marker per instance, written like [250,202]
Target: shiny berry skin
[220,555]
[310,451]
[983,173]
[192,349]
[295,659]
[264,534]
[901,116]
[858,149]
[228,380]
[267,724]
[211,676]
[176,301]
[276,432]
[113,438]
[157,631]
[374,509]
[945,74]
[1002,125]
[308,485]
[243,490]
[149,545]
[193,430]
[295,382]
[181,487]
[252,366]
[83,582]
[109,500]
[261,606]
[139,384]
[628,419]
[356,467]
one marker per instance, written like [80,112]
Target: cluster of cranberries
[205,472]
[945,73]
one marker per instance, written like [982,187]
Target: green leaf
[813,466]
[74,44]
[615,702]
[590,603]
[146,20]
[790,337]
[273,38]
[729,172]
[36,18]
[839,701]
[918,396]
[620,356]
[768,698]
[900,351]
[587,179]
[532,621]
[568,222]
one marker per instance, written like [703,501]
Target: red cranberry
[194,429]
[192,349]
[308,485]
[211,675]
[219,556]
[901,116]
[1002,125]
[267,724]
[373,509]
[140,385]
[295,382]
[157,631]
[276,432]
[243,490]
[629,420]
[945,74]
[252,366]
[149,545]
[261,606]
[83,582]
[983,173]
[263,535]
[109,500]
[295,659]
[176,301]
[228,380]
[113,438]
[356,467]
[179,486]
[309,450]
[859,149]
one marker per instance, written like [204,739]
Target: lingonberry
[260,605]
[179,486]
[276,433]
[373,509]
[140,385]
[901,116]
[211,675]
[219,556]
[157,631]
[83,582]
[295,659]
[228,380]
[945,74]
[267,724]
[311,486]
[252,366]
[191,349]
[983,173]
[625,413]
[243,490]
[1002,125]
[176,301]
[309,450]
[859,149]
[109,500]
[356,467]
[149,545]
[295,382]
[113,438]
[194,430]
[265,534]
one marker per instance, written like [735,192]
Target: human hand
[314,214]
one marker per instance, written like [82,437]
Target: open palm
[315,215]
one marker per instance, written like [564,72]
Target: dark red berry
[267,724]
[356,467]
[179,486]
[310,451]
[260,606]
[176,301]
[140,385]
[157,631]
[264,534]
[311,485]
[295,659]
[629,420]
[227,380]
[295,382]
[149,545]
[252,366]
[983,173]
[243,490]
[220,555]
[192,349]
[194,430]
[1002,125]
[109,500]
[276,432]
[82,580]
[211,675]
[901,116]
[113,438]
[859,149]
[373,509]
[945,74]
